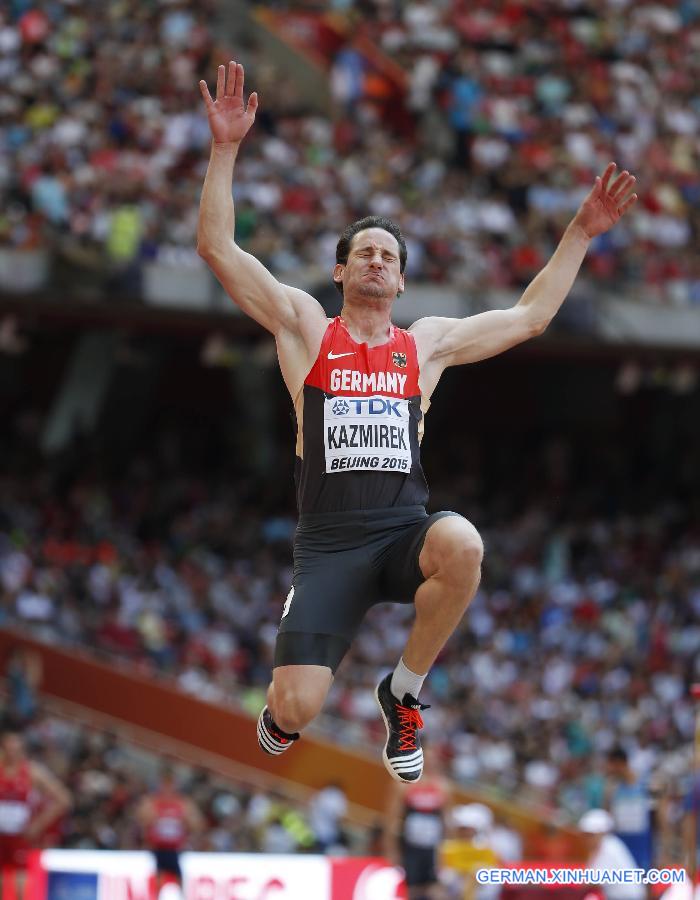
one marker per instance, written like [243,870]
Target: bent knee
[295,705]
[456,552]
[293,712]
[470,546]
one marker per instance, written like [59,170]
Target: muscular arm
[458,341]
[446,342]
[251,286]
[287,312]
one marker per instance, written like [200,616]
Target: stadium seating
[515,108]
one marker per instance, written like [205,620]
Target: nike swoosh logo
[338,355]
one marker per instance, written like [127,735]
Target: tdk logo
[367,406]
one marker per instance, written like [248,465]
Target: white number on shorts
[288,602]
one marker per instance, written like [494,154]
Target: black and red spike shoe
[271,738]
[403,756]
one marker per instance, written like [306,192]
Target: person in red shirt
[168,821]
[21,824]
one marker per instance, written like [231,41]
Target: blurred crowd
[582,641]
[108,776]
[101,144]
[512,109]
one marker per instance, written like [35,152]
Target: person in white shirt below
[327,809]
[607,851]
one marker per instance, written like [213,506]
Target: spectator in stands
[327,809]
[215,575]
[108,779]
[23,674]
[605,851]
[630,805]
[464,94]
[82,168]
[469,849]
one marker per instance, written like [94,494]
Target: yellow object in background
[465,856]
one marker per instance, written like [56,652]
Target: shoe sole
[385,758]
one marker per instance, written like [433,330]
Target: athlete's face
[373,269]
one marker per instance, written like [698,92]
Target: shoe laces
[409,720]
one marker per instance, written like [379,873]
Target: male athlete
[415,826]
[168,819]
[360,388]
[22,824]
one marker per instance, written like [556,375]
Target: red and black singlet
[168,831]
[359,424]
[424,805]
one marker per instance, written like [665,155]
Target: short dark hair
[342,250]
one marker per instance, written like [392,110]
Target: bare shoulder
[309,321]
[299,340]
[428,333]
[430,328]
[306,308]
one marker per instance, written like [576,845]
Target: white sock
[404,681]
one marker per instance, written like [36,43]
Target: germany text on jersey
[359,424]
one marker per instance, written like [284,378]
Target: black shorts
[345,563]
[168,862]
[419,865]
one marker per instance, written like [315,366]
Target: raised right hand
[229,120]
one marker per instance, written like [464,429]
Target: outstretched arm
[277,307]
[446,342]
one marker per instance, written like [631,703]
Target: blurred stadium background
[146,497]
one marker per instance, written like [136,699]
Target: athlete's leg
[333,586]
[450,561]
[297,694]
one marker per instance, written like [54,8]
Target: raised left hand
[229,117]
[606,203]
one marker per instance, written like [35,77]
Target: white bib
[366,433]
[14,816]
[422,830]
